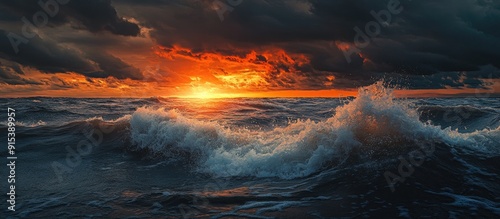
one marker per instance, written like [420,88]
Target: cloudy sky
[132,48]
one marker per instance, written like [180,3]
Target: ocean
[369,156]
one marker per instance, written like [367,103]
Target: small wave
[372,124]
[116,129]
[462,117]
[100,119]
[48,110]
[32,124]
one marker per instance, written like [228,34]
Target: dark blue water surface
[255,158]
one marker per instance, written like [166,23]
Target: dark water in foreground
[256,158]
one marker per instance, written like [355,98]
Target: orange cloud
[253,70]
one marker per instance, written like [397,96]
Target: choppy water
[257,158]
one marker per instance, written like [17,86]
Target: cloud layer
[261,44]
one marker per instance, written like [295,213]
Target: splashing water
[374,123]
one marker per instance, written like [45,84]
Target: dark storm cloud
[426,37]
[473,79]
[50,56]
[112,66]
[94,15]
[45,55]
[12,75]
[99,15]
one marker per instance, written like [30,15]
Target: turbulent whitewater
[260,158]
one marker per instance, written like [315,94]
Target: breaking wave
[374,124]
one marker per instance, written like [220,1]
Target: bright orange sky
[178,72]
[144,50]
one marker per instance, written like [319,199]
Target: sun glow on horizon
[205,91]
[216,93]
